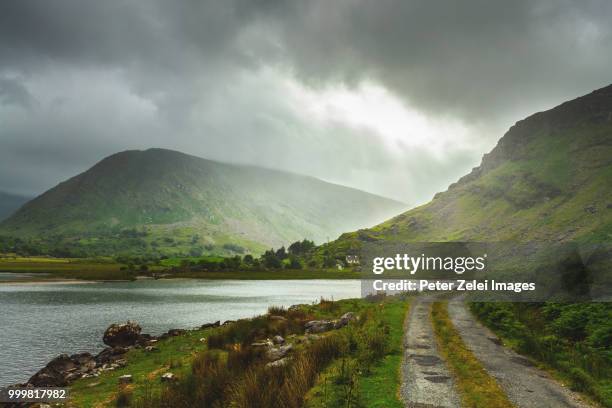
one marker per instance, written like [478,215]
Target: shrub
[277,311]
[124,398]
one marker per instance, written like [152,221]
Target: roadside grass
[356,379]
[571,341]
[476,387]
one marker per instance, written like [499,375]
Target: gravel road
[426,382]
[525,385]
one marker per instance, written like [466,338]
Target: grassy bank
[105,269]
[66,268]
[369,374]
[220,365]
[573,341]
[476,387]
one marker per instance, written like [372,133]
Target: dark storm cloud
[83,79]
[474,58]
[13,92]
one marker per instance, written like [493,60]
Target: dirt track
[426,382]
[525,385]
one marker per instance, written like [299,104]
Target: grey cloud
[80,80]
[475,58]
[13,92]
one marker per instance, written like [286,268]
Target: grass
[363,378]
[572,341]
[228,370]
[275,274]
[175,354]
[476,387]
[65,268]
[107,269]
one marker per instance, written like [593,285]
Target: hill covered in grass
[163,201]
[548,179]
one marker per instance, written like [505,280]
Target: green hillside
[162,201]
[548,179]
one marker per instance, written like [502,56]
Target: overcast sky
[396,97]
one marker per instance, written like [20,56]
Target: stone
[63,369]
[150,349]
[126,379]
[348,317]
[210,325]
[279,363]
[110,355]
[319,326]
[263,344]
[278,340]
[168,377]
[176,332]
[123,335]
[276,353]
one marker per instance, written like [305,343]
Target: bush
[124,398]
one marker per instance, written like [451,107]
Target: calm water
[40,321]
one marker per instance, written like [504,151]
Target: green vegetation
[174,353]
[161,202]
[369,374]
[221,367]
[476,387]
[571,339]
[294,263]
[64,268]
[548,179]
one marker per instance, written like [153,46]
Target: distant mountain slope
[549,178]
[168,201]
[9,203]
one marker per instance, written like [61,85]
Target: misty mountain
[163,200]
[9,203]
[548,179]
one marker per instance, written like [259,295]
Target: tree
[294,263]
[281,253]
[301,247]
[270,260]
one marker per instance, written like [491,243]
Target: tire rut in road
[525,385]
[426,381]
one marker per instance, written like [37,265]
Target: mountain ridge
[164,193]
[547,179]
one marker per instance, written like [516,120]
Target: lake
[40,321]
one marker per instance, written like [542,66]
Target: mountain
[9,203]
[549,178]
[167,201]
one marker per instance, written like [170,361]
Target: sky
[395,97]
